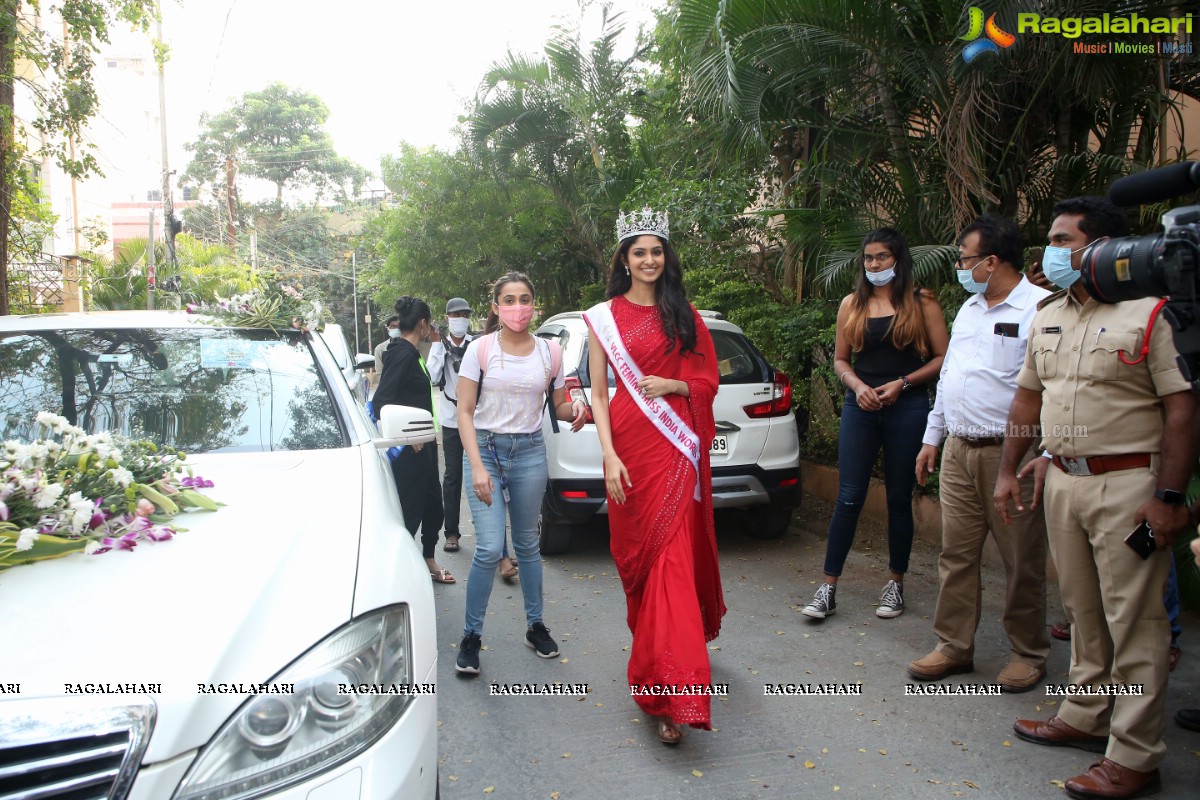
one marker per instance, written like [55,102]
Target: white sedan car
[283,646]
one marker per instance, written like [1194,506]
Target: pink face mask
[517,318]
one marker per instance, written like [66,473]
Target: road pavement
[879,744]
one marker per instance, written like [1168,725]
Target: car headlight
[275,740]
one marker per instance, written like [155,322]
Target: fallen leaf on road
[809,765]
[808,636]
[555,795]
[824,749]
[858,663]
[625,648]
[489,790]
[714,647]
[862,749]
[972,785]
[955,741]
[837,788]
[564,661]
[931,780]
[599,705]
[453,777]
[1059,784]
[882,752]
[697,773]
[565,755]
[779,633]
[1007,743]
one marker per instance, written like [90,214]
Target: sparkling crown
[638,223]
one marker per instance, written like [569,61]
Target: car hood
[233,599]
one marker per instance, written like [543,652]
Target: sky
[389,70]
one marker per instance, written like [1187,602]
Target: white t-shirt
[512,395]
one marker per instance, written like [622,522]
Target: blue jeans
[897,429]
[523,458]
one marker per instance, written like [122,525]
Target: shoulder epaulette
[1048,300]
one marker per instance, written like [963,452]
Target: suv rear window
[198,389]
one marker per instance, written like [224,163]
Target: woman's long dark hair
[679,324]
[410,311]
[908,324]
[512,276]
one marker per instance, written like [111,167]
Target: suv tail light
[575,392]
[779,404]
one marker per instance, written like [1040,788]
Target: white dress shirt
[979,374]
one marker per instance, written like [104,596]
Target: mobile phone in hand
[1141,541]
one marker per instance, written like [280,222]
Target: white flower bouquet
[69,491]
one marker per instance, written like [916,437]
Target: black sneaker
[538,637]
[468,655]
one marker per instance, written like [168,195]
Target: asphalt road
[881,743]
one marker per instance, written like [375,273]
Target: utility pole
[354,300]
[168,204]
[150,264]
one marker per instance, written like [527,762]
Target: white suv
[755,455]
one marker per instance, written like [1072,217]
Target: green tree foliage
[206,272]
[277,135]
[868,114]
[452,228]
[66,95]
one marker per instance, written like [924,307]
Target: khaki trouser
[1113,599]
[966,485]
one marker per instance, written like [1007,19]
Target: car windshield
[196,389]
[737,360]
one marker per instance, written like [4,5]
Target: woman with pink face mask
[500,400]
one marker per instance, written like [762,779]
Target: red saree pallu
[662,537]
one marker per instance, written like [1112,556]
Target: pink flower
[145,508]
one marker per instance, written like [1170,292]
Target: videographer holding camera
[1103,382]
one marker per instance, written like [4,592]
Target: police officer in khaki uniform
[1111,410]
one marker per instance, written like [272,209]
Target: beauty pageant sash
[660,414]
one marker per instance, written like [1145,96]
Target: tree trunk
[230,233]
[8,57]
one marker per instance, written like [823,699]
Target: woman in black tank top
[891,338]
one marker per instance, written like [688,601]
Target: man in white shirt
[445,356]
[392,328]
[976,387]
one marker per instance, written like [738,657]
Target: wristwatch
[907,383]
[1169,496]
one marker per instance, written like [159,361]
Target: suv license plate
[720,446]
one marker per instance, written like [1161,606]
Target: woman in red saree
[655,433]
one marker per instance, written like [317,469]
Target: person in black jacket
[405,382]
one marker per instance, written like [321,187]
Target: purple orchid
[197,482]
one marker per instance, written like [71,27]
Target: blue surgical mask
[393,332]
[967,279]
[1056,265]
[883,277]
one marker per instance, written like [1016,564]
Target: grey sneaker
[468,655]
[823,603]
[891,602]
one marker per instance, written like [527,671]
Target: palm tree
[560,121]
[870,115]
[206,272]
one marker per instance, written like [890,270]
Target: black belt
[981,441]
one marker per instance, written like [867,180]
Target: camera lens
[1125,269]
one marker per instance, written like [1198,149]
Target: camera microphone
[1154,185]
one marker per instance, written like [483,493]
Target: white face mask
[458,326]
[883,277]
[393,332]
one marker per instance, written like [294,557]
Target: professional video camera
[1164,264]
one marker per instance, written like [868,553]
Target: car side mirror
[403,425]
[364,361]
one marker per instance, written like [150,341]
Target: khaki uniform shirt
[1092,403]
